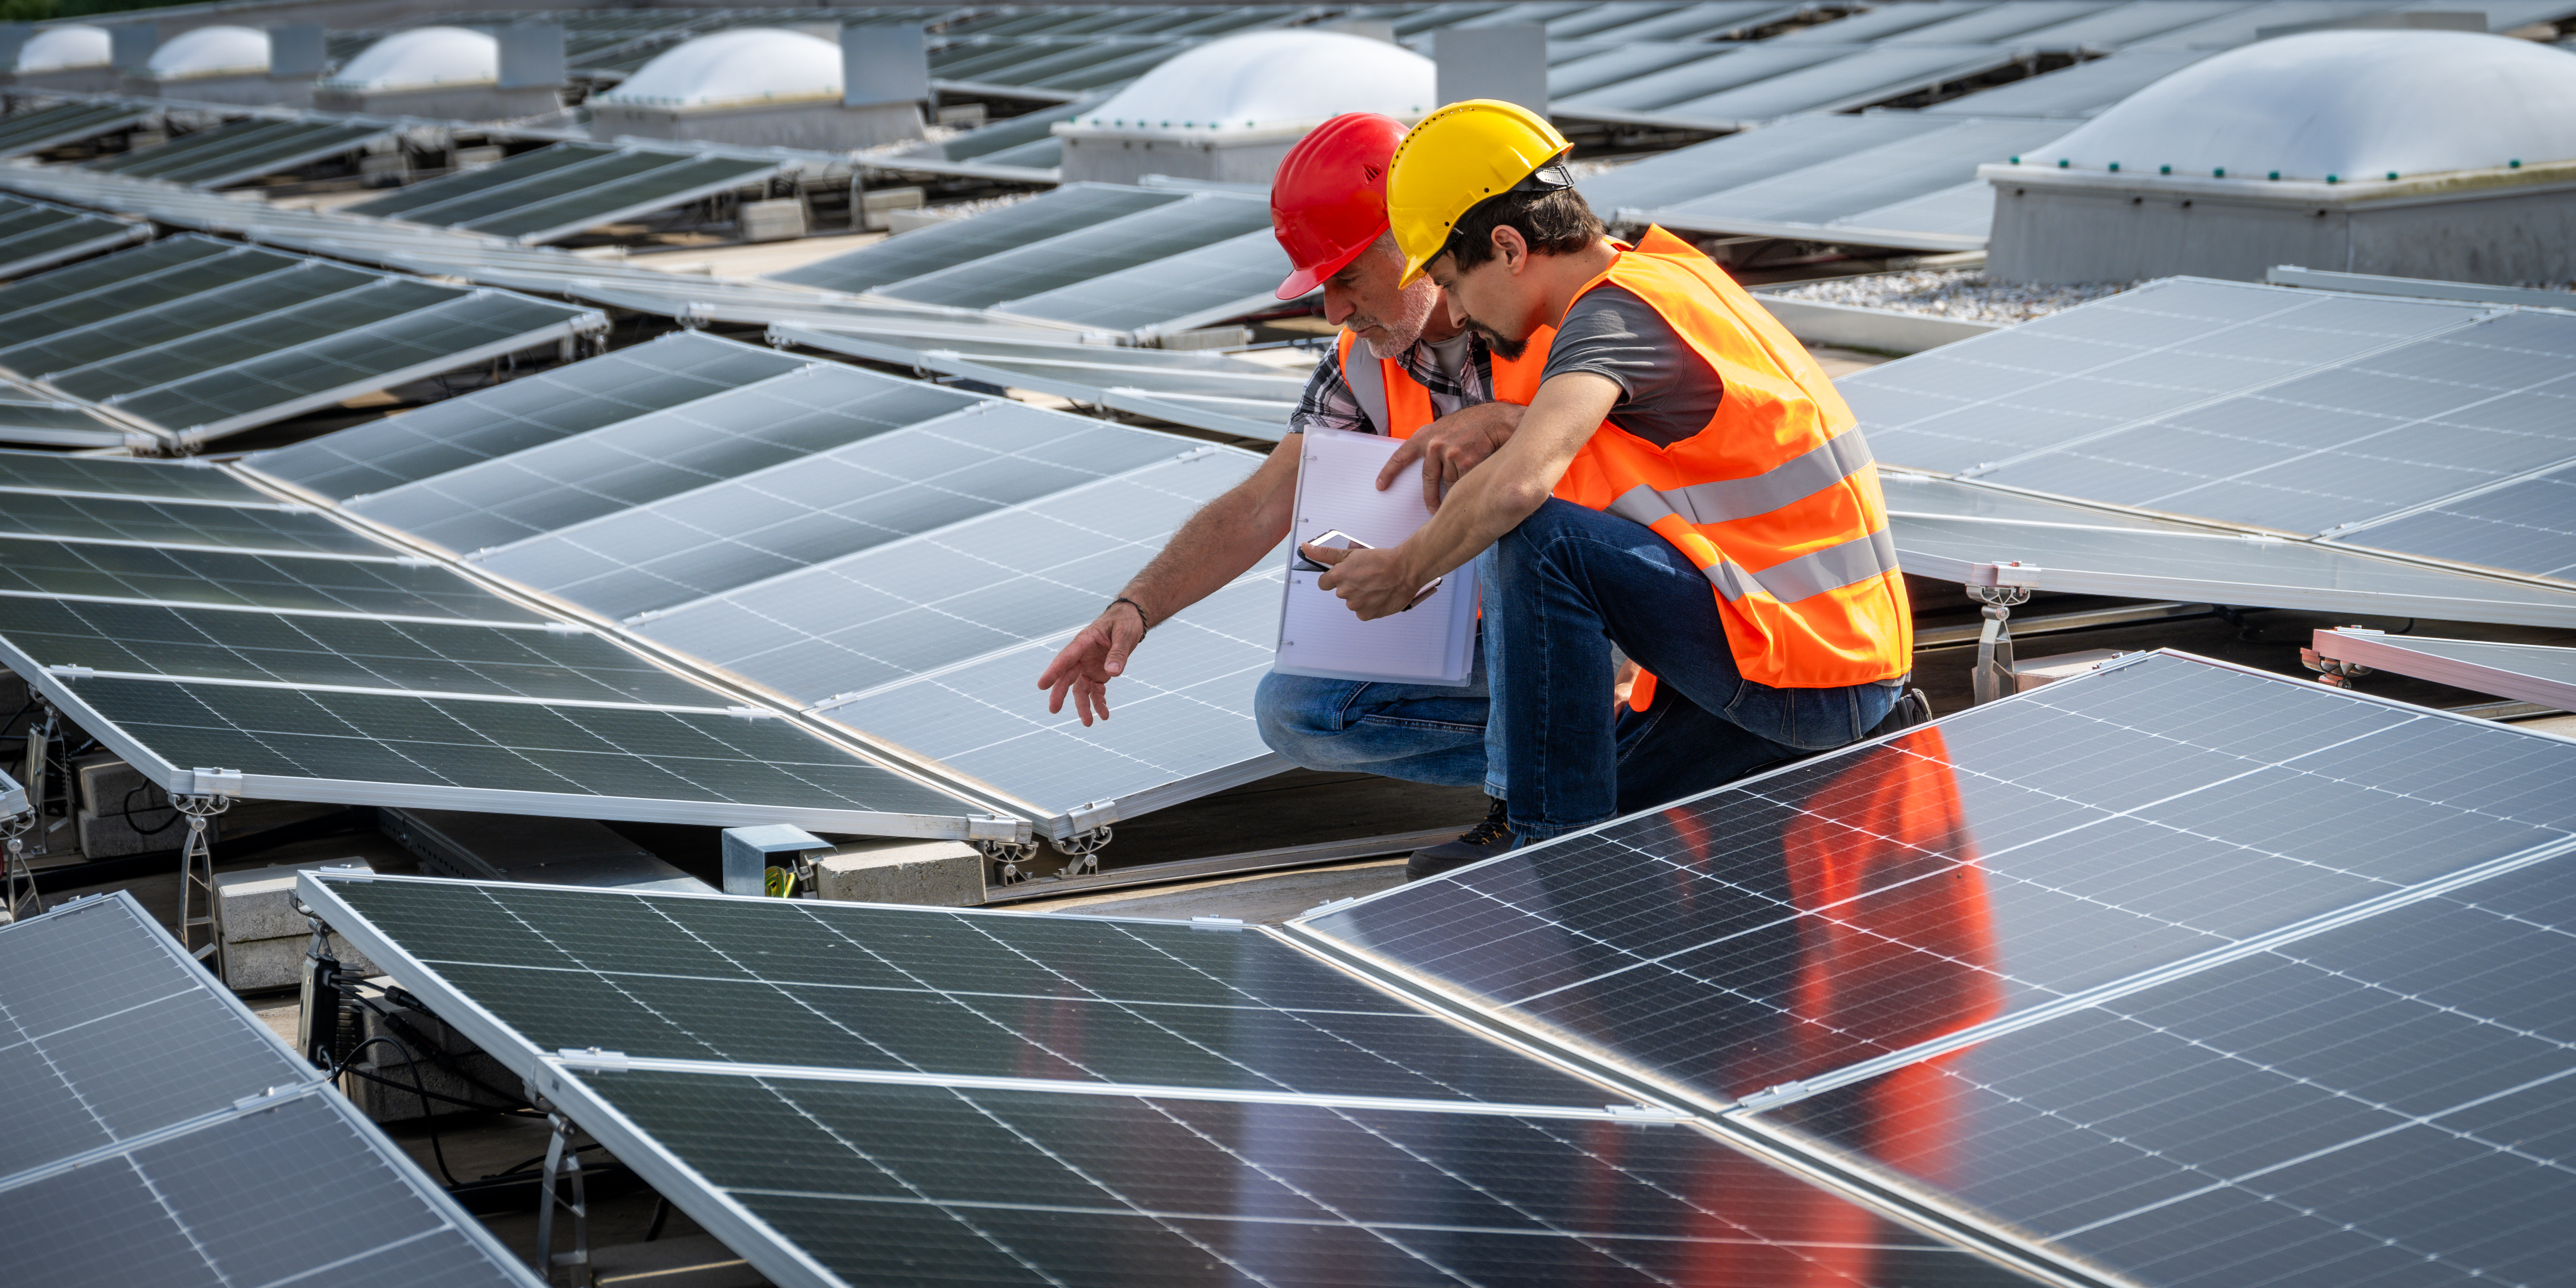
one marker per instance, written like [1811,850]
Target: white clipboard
[1431,643]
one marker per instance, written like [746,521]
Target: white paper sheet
[1431,643]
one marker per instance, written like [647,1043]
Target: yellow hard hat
[1456,157]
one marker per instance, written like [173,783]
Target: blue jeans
[1572,581]
[1421,733]
[1559,589]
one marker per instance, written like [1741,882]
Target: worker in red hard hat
[1401,366]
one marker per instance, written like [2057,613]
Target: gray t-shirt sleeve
[1668,392]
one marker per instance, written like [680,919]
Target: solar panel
[2380,1102]
[2240,28]
[194,577]
[95,476]
[65,123]
[195,343]
[680,367]
[2372,434]
[425,196]
[817,508]
[124,1167]
[1643,97]
[2111,26]
[2012,23]
[50,423]
[1180,291]
[471,658]
[822,985]
[1799,929]
[1872,75]
[698,764]
[1201,390]
[2158,348]
[34,237]
[1961,532]
[1052,1170]
[2528,526]
[2536,673]
[1148,238]
[604,199]
[630,462]
[1856,190]
[271,527]
[1670,178]
[1718,18]
[1879,24]
[239,150]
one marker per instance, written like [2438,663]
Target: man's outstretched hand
[1451,446]
[1094,656]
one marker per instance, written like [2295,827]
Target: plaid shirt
[1329,403]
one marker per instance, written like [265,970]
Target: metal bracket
[1007,856]
[15,828]
[563,1164]
[2001,588]
[1081,850]
[2332,672]
[197,875]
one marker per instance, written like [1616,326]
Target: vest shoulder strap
[1367,381]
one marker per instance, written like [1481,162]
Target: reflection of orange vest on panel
[1901,945]
[1396,404]
[1775,499]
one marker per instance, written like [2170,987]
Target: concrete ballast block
[264,936]
[946,874]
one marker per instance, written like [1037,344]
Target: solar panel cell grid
[1874,75]
[1723,69]
[1836,187]
[1149,237]
[149,326]
[494,203]
[30,251]
[649,761]
[2019,853]
[944,245]
[991,583]
[294,323]
[54,472]
[230,578]
[2374,434]
[630,463]
[2379,1103]
[1185,288]
[2142,353]
[115,286]
[2528,526]
[922,991]
[603,200]
[156,523]
[521,414]
[400,204]
[1029,1187]
[339,651]
[822,507]
[353,356]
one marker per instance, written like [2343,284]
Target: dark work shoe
[1483,841]
[1911,709]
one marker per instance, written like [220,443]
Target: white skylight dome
[421,58]
[210,51]
[732,68]
[1266,82]
[2341,106]
[57,49]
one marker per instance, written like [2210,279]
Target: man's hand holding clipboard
[1370,580]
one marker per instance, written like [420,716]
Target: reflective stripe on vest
[1775,500]
[1367,381]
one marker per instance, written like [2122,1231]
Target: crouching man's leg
[1421,733]
[1573,580]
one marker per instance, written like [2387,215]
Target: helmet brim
[1302,282]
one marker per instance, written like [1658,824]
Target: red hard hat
[1328,202]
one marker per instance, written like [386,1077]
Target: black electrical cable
[445,1063]
[428,1117]
[126,809]
[661,1212]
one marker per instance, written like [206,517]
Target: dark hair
[1558,222]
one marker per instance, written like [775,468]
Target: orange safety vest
[1776,499]
[1396,404]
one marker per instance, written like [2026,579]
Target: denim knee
[1298,713]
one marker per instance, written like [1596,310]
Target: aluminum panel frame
[2479,670]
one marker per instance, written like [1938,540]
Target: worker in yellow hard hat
[1685,486]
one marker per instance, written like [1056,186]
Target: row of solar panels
[2174,973]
